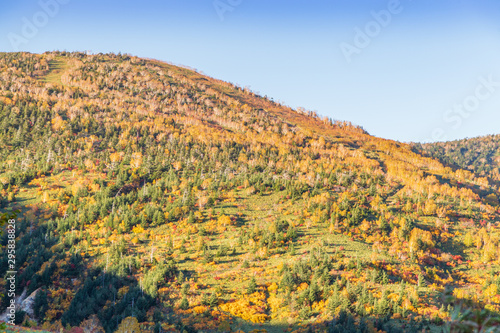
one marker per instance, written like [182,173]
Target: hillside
[480,155]
[152,195]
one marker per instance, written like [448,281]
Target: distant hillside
[480,155]
[157,198]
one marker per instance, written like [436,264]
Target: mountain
[151,195]
[480,155]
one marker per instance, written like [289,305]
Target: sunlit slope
[151,191]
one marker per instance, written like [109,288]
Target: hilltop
[151,194]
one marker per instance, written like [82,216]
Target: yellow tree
[129,325]
[45,197]
[58,123]
[224,220]
[136,160]
[420,240]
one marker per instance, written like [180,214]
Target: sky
[407,70]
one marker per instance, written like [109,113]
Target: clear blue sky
[419,73]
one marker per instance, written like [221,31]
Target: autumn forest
[151,198]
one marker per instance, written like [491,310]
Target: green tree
[213,300]
[184,304]
[252,286]
[314,292]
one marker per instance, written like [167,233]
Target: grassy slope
[56,69]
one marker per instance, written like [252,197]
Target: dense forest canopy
[480,155]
